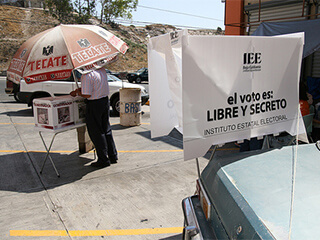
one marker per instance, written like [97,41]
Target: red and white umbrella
[54,53]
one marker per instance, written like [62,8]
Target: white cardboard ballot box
[79,109]
[53,113]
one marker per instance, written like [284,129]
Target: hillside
[19,24]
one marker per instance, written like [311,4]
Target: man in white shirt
[95,88]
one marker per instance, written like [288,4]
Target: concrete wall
[33,3]
[23,3]
[18,3]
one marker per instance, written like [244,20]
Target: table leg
[48,154]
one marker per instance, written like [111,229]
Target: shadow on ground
[20,172]
[19,113]
[174,138]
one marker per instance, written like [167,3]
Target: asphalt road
[137,198]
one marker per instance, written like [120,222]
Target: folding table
[56,132]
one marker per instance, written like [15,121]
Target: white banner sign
[239,87]
[165,83]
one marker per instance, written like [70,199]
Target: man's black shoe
[100,164]
[113,161]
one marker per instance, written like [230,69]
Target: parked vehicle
[108,71]
[120,75]
[12,88]
[249,196]
[25,93]
[138,76]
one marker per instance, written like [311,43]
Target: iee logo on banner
[251,58]
[251,62]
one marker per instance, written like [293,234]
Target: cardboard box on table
[57,114]
[53,113]
[79,108]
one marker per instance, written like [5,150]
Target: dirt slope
[19,24]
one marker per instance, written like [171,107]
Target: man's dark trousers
[97,119]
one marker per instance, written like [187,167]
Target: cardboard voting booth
[239,87]
[165,82]
[233,88]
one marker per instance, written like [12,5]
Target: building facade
[243,17]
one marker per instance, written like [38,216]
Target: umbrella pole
[76,79]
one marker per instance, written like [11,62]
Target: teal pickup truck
[253,195]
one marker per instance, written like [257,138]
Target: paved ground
[137,198]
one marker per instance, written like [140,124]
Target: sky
[207,14]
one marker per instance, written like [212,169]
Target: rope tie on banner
[294,170]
